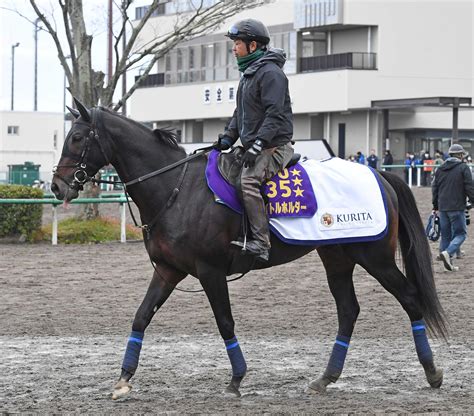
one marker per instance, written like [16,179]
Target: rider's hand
[223,142]
[250,156]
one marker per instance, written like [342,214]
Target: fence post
[54,234]
[410,176]
[123,233]
[418,176]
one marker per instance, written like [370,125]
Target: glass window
[179,59]
[191,57]
[233,73]
[230,54]
[209,75]
[182,77]
[208,55]
[220,73]
[219,54]
[194,76]
[313,44]
[13,130]
[285,43]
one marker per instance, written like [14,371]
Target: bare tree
[89,85]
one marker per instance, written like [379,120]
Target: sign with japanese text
[207,95]
[290,194]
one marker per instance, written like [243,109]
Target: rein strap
[169,167]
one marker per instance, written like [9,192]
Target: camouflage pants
[268,164]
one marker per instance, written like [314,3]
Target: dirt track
[67,312]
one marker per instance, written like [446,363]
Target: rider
[262,119]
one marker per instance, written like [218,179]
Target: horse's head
[83,154]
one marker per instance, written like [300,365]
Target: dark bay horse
[187,233]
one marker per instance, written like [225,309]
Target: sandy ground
[67,312]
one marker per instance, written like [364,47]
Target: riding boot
[259,245]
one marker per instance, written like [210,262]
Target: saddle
[230,165]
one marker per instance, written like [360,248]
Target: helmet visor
[233,30]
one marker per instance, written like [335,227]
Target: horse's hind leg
[162,285]
[387,273]
[339,268]
[215,285]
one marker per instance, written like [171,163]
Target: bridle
[80,175]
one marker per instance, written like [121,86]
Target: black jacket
[452,183]
[388,159]
[263,108]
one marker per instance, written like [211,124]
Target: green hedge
[97,230]
[20,220]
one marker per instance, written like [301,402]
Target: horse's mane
[165,136]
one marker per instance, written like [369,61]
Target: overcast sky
[14,28]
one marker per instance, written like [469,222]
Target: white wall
[356,136]
[419,38]
[34,142]
[350,40]
[301,127]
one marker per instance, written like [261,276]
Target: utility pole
[13,73]
[110,27]
[37,29]
[124,75]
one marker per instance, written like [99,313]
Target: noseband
[80,176]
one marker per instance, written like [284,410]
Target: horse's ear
[83,111]
[73,111]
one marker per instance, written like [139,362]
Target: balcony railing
[349,60]
[152,80]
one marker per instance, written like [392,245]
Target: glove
[223,142]
[250,156]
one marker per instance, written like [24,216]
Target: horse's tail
[416,255]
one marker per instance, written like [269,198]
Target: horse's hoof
[121,389]
[435,379]
[232,391]
[317,386]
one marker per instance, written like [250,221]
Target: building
[30,136]
[363,74]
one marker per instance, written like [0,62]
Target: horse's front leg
[214,283]
[339,269]
[162,285]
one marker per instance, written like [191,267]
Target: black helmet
[248,30]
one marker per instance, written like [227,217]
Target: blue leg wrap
[421,342]
[237,360]
[338,356]
[132,354]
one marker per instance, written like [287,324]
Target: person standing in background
[360,158]
[409,165]
[387,160]
[452,184]
[425,171]
[372,159]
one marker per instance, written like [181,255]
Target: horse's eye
[76,138]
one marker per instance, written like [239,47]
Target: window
[314,44]
[13,130]
[197,63]
[141,11]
